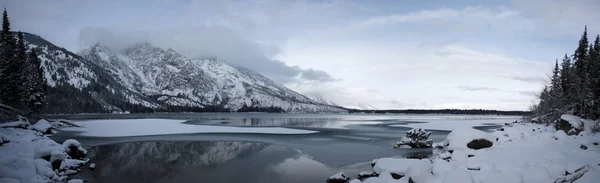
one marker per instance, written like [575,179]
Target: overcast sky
[385,54]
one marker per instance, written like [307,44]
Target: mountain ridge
[146,78]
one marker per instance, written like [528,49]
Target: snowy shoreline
[30,156]
[521,152]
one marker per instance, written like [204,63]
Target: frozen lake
[249,147]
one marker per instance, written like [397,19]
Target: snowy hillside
[145,78]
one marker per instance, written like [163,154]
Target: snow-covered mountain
[146,78]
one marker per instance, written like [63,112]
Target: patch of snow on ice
[143,127]
[449,125]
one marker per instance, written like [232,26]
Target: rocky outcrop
[338,178]
[415,138]
[479,144]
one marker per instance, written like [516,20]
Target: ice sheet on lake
[143,127]
[449,125]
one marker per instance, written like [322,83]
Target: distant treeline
[443,111]
[271,109]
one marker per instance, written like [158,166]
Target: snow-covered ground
[28,156]
[142,127]
[520,153]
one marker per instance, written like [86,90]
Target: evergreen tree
[574,87]
[37,86]
[580,58]
[566,82]
[543,108]
[9,71]
[555,94]
[594,75]
[25,68]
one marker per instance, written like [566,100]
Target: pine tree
[580,58]
[566,82]
[25,70]
[8,67]
[543,107]
[37,88]
[594,75]
[555,94]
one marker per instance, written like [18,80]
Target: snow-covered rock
[459,138]
[75,181]
[29,156]
[575,121]
[415,138]
[420,173]
[397,165]
[366,174]
[338,178]
[523,153]
[74,149]
[42,126]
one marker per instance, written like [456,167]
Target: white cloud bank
[358,54]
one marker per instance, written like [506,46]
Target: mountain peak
[99,48]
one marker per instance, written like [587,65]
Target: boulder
[415,138]
[479,144]
[570,124]
[3,140]
[595,143]
[43,126]
[338,178]
[74,149]
[584,147]
[468,138]
[418,155]
[366,174]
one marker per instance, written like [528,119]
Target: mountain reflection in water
[200,161]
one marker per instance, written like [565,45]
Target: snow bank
[560,135]
[523,153]
[28,155]
[458,175]
[143,127]
[338,178]
[459,138]
[397,165]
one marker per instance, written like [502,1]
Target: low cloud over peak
[207,41]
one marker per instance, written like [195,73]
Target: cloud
[477,88]
[529,93]
[207,41]
[529,79]
[467,19]
[386,54]
[558,17]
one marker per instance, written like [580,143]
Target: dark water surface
[343,143]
